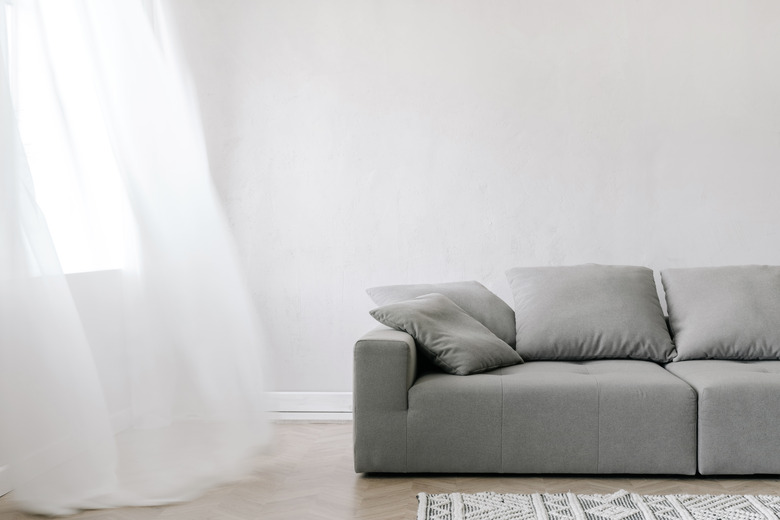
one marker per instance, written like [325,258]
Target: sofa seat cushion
[739,414]
[610,416]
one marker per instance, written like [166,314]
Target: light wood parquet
[307,474]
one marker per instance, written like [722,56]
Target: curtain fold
[193,344]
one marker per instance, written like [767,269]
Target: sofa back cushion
[453,340]
[473,297]
[724,312]
[589,312]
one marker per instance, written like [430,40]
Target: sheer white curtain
[193,345]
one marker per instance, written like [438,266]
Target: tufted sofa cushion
[608,416]
[739,414]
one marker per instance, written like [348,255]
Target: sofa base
[738,414]
[592,417]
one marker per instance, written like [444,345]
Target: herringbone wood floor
[308,475]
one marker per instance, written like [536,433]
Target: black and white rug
[617,506]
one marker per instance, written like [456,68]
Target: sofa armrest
[386,358]
[385,367]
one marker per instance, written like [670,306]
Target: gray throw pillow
[473,297]
[589,312]
[724,312]
[452,339]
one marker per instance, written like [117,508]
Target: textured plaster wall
[358,143]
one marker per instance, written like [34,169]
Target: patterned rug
[617,506]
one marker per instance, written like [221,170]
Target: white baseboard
[325,417]
[284,406]
[311,406]
[5,480]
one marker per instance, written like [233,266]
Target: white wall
[369,142]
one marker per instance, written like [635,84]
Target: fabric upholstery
[550,419]
[453,340]
[724,312]
[384,368]
[471,296]
[454,424]
[588,312]
[612,416]
[738,414]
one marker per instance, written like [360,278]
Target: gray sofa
[588,416]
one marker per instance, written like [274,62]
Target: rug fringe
[422,506]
